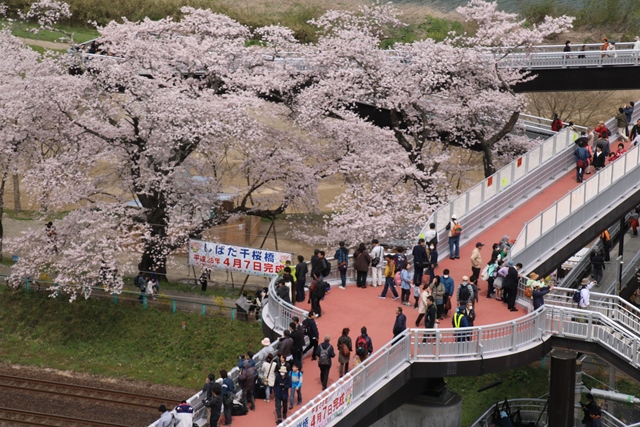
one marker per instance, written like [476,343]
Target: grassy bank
[98,337]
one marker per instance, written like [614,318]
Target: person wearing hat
[605,45]
[464,292]
[585,292]
[476,263]
[539,292]
[455,230]
[281,389]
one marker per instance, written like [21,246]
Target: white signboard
[259,262]
[329,408]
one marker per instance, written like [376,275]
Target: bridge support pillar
[435,407]
[562,387]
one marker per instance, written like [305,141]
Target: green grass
[29,215]
[80,34]
[98,337]
[525,382]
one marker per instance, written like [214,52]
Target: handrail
[485,341]
[523,171]
[573,212]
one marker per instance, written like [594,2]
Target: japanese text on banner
[329,408]
[259,262]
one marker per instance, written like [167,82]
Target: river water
[507,5]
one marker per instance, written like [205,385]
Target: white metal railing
[559,60]
[590,200]
[472,343]
[535,411]
[523,170]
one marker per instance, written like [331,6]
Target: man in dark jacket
[325,353]
[228,392]
[281,392]
[311,330]
[283,291]
[286,345]
[298,343]
[420,261]
[316,263]
[539,293]
[511,284]
[400,324]
[597,266]
[301,278]
[247,380]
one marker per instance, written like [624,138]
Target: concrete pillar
[562,388]
[426,411]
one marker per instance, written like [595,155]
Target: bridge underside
[582,79]
[415,379]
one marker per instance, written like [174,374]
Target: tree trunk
[17,207]
[154,257]
[4,180]
[487,145]
[487,160]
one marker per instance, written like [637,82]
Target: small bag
[447,305]
[581,164]
[345,350]
[375,261]
[342,266]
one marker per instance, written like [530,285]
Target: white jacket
[584,295]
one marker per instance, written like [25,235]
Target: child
[416,296]
[296,384]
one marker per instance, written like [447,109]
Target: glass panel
[547,148]
[519,170]
[604,177]
[490,190]
[504,178]
[591,189]
[618,169]
[533,229]
[577,198]
[632,160]
[548,218]
[459,206]
[564,208]
[475,195]
[534,158]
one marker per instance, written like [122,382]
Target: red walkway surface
[354,307]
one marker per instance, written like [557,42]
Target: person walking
[400,323]
[377,264]
[315,295]
[455,230]
[342,258]
[405,284]
[449,286]
[581,156]
[364,345]
[344,351]
[420,261]
[281,393]
[296,384]
[597,265]
[361,261]
[476,263]
[310,328]
[324,354]
[389,278]
[433,261]
[422,303]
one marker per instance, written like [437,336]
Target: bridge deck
[354,307]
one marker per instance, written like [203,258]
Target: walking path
[354,307]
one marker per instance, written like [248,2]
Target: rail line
[10,415]
[80,392]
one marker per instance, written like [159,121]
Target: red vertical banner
[519,162]
[489,181]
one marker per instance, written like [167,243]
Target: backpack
[326,267]
[401,260]
[465,293]
[361,346]
[577,296]
[397,278]
[322,289]
[456,230]
[324,356]
[528,291]
[139,281]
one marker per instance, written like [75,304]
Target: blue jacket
[581,153]
[538,297]
[406,278]
[448,284]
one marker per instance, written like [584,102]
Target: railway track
[74,391]
[12,416]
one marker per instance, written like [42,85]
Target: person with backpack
[296,384]
[342,258]
[281,393]
[246,381]
[364,345]
[377,264]
[325,353]
[139,281]
[591,411]
[556,123]
[361,261]
[344,351]
[228,391]
[464,293]
[400,258]
[455,230]
[326,265]
[581,156]
[581,297]
[389,278]
[431,235]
